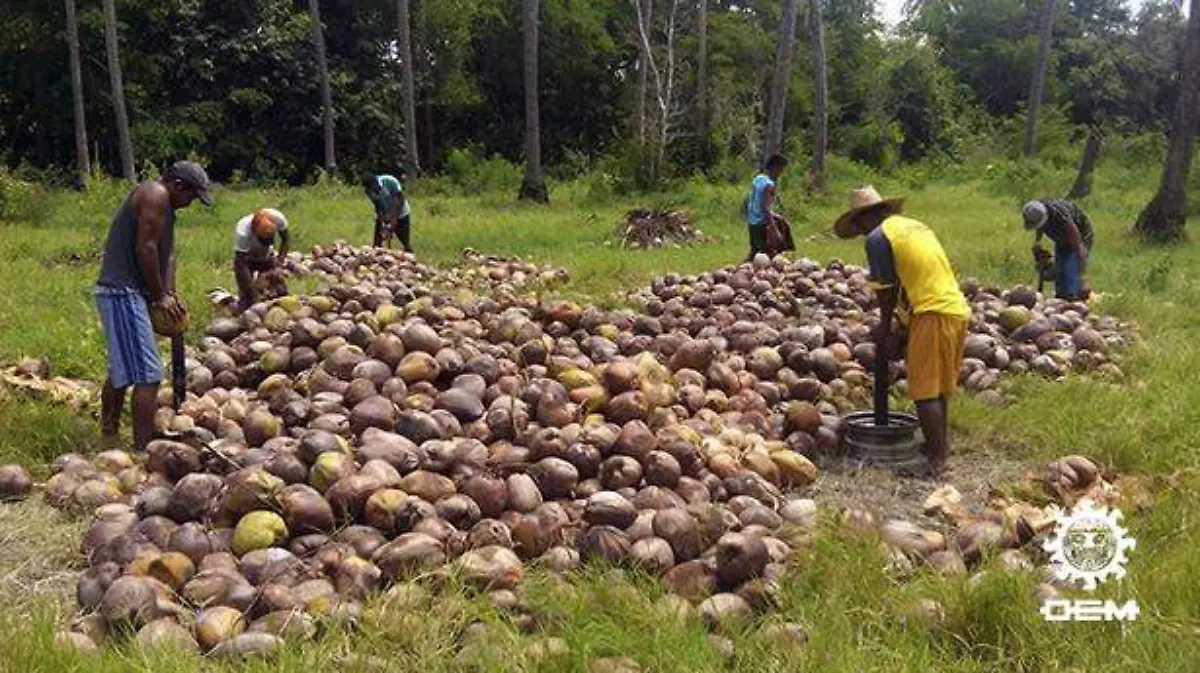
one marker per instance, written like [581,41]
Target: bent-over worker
[914,283]
[392,210]
[769,231]
[254,249]
[1071,230]
[137,273]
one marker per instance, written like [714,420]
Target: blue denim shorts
[133,358]
[1068,282]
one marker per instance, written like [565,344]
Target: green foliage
[474,174]
[235,85]
[21,200]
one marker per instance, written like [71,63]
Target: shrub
[22,200]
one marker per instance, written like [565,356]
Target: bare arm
[769,200]
[150,206]
[887,297]
[284,242]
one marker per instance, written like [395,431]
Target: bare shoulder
[151,195]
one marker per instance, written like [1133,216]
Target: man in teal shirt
[759,209]
[391,209]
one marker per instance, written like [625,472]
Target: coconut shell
[605,543]
[409,553]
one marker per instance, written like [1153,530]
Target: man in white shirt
[254,249]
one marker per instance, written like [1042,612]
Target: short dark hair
[776,161]
[368,179]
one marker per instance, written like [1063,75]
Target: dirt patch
[846,483]
[39,554]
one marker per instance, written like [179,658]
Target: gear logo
[1088,545]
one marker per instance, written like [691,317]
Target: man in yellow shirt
[914,282]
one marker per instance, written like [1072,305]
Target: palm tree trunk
[1038,85]
[113,50]
[318,37]
[1091,152]
[83,165]
[781,78]
[702,74]
[406,86]
[533,186]
[820,97]
[1164,217]
[645,19]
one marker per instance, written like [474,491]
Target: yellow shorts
[935,354]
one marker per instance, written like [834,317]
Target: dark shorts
[133,358]
[758,239]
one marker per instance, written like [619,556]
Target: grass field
[839,589]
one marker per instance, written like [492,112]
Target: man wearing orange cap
[914,282]
[254,249]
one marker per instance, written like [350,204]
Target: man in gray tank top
[137,273]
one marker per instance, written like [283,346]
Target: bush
[22,200]
[467,169]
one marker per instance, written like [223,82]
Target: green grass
[839,590]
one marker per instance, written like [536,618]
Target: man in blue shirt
[759,214]
[391,209]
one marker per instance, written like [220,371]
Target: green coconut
[258,530]
[1013,317]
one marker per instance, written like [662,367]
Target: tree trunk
[533,186]
[406,86]
[1165,215]
[1091,152]
[318,37]
[781,78]
[83,165]
[820,97]
[113,50]
[645,19]
[1038,84]
[702,76]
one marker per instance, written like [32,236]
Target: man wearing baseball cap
[1071,230]
[914,282]
[137,276]
[254,250]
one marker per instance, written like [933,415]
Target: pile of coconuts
[476,272]
[334,444]
[819,318]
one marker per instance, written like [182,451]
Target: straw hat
[861,200]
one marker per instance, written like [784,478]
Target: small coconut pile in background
[335,444]
[646,229]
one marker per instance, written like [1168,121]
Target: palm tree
[1164,217]
[113,51]
[644,11]
[702,73]
[83,166]
[779,82]
[318,36]
[1038,84]
[533,186]
[820,97]
[406,74]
